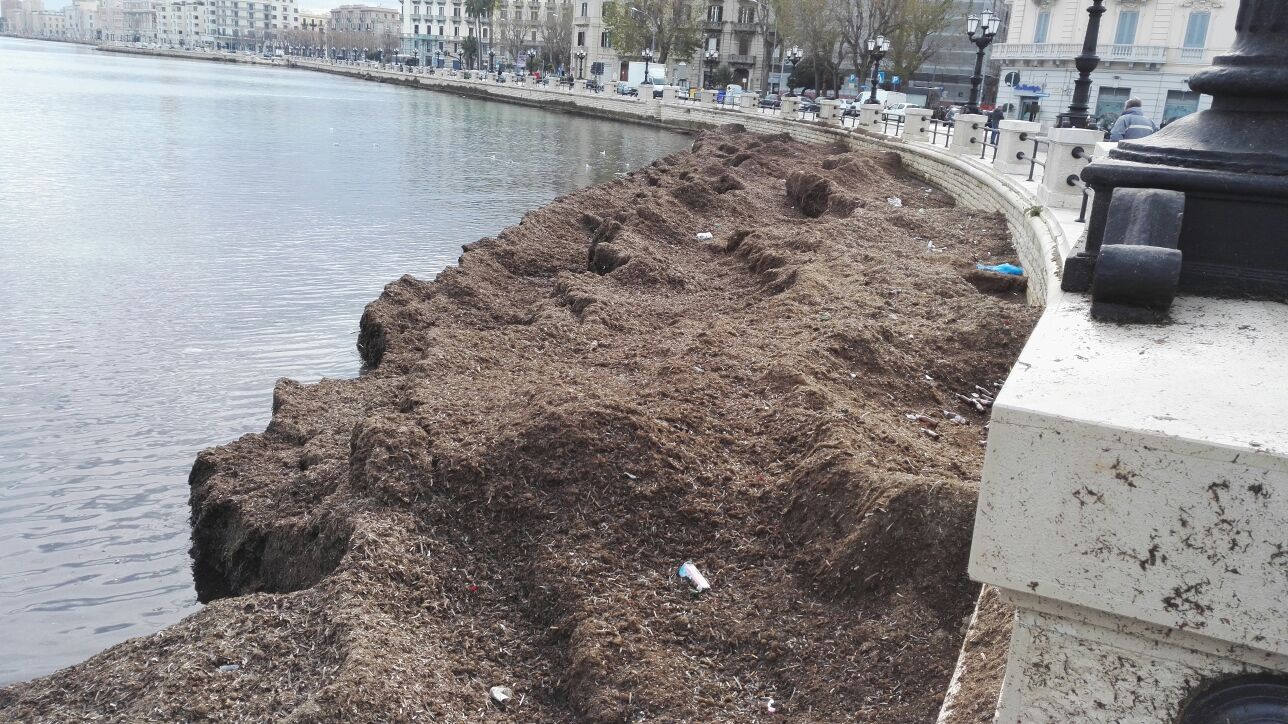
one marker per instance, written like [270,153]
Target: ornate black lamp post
[793,56]
[712,59]
[1229,164]
[581,64]
[981,31]
[531,53]
[648,58]
[491,61]
[877,49]
[1077,116]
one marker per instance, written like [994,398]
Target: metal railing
[1032,158]
[941,128]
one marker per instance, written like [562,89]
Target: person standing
[995,117]
[1132,124]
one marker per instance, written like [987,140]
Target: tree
[669,27]
[814,25]
[470,51]
[476,10]
[861,20]
[556,35]
[511,32]
[917,37]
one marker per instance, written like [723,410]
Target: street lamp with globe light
[981,30]
[712,58]
[648,58]
[793,56]
[581,64]
[877,49]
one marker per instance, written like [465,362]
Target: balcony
[740,59]
[1069,51]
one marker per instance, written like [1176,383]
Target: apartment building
[734,29]
[19,15]
[252,24]
[366,19]
[82,20]
[186,23]
[512,29]
[1148,50]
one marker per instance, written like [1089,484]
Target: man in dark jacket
[995,116]
[1132,124]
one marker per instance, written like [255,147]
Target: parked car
[809,105]
[625,89]
[594,85]
[773,102]
[900,109]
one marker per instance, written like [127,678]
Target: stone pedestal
[789,106]
[916,124]
[1068,153]
[829,111]
[748,101]
[968,131]
[1132,506]
[708,97]
[1013,139]
[1103,148]
[870,117]
[581,85]
[668,93]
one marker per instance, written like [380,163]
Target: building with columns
[1148,49]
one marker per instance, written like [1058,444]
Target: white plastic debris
[770,708]
[895,201]
[695,577]
[501,694]
[954,418]
[704,236]
[229,668]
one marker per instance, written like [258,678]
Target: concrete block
[748,101]
[708,97]
[1013,139]
[668,93]
[829,111]
[870,117]
[1131,505]
[789,107]
[968,131]
[1068,153]
[916,124]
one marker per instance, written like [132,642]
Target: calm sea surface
[175,236]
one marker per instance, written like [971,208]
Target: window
[534,36]
[581,38]
[746,15]
[456,31]
[1109,104]
[1180,103]
[417,30]
[583,9]
[1044,25]
[1196,30]
[605,40]
[744,45]
[1126,33]
[715,13]
[441,31]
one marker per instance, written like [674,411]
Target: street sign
[880,76]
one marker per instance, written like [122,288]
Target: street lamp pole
[981,30]
[793,56]
[581,64]
[877,49]
[648,58]
[1077,116]
[712,58]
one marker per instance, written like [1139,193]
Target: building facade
[735,30]
[366,19]
[1148,50]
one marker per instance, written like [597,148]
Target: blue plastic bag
[1002,269]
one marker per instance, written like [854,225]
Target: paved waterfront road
[176,235]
